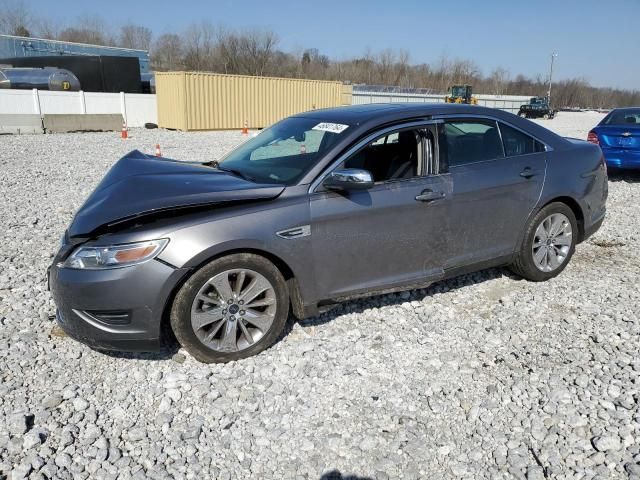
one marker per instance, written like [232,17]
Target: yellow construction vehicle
[461,94]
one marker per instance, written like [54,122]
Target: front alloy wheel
[232,308]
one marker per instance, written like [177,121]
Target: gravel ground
[483,376]
[570,124]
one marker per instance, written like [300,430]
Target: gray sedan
[321,207]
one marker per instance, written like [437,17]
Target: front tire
[232,308]
[548,245]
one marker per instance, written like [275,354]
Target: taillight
[593,138]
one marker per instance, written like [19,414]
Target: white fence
[136,108]
[510,103]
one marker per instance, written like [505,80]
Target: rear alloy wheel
[552,242]
[232,308]
[548,244]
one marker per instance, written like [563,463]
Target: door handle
[429,196]
[527,173]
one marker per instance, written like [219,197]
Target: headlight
[114,256]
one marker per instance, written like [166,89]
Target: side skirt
[326,305]
[476,267]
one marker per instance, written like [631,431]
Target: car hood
[139,185]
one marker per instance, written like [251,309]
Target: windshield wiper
[237,173]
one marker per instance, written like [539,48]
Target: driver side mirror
[348,179]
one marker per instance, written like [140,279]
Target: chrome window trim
[363,143]
[491,160]
[547,147]
[504,150]
[462,165]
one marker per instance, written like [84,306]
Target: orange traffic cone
[158,152]
[124,133]
[245,129]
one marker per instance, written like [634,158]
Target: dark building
[95,73]
[18,47]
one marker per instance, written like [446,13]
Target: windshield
[284,152]
[459,91]
[627,117]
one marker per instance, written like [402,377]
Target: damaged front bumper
[116,309]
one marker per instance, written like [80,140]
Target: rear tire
[548,245]
[217,316]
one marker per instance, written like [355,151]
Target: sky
[595,40]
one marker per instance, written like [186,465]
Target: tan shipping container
[212,101]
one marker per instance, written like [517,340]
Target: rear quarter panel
[578,172]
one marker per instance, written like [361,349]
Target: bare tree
[499,80]
[47,28]
[258,49]
[312,64]
[390,67]
[442,74]
[135,36]
[246,53]
[464,71]
[15,18]
[199,47]
[167,52]
[90,30]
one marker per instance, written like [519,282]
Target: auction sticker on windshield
[331,127]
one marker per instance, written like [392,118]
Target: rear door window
[518,143]
[470,141]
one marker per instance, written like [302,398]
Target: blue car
[618,135]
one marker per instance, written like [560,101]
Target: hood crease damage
[139,186]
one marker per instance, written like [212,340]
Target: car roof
[626,109]
[358,114]
[373,114]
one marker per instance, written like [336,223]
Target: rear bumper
[117,310]
[594,226]
[621,158]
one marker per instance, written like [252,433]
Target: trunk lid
[140,185]
[619,136]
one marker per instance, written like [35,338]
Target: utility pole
[553,57]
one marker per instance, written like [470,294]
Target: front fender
[252,228]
